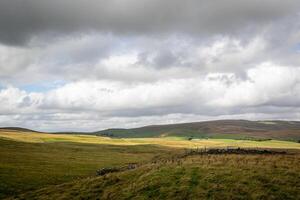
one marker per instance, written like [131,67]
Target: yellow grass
[267,122]
[33,137]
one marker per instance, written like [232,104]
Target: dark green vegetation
[221,129]
[29,166]
[192,177]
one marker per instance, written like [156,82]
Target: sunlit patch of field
[267,122]
[177,142]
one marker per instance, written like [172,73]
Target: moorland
[39,165]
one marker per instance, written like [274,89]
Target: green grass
[31,161]
[28,166]
[195,177]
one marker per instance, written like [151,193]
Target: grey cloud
[21,20]
[163,58]
[139,62]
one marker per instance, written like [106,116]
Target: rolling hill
[17,129]
[219,129]
[231,129]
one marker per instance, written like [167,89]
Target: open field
[27,166]
[31,160]
[179,142]
[193,177]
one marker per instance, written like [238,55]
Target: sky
[77,65]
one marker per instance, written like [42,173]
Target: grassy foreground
[31,161]
[29,166]
[194,177]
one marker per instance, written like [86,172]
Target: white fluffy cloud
[214,95]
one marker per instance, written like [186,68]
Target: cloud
[142,59]
[281,86]
[101,64]
[22,21]
[12,59]
[213,96]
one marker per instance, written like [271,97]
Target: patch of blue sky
[297,48]
[44,86]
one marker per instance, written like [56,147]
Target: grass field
[180,142]
[28,166]
[194,177]
[30,160]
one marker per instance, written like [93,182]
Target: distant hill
[223,129]
[17,129]
[231,129]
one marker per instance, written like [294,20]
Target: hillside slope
[236,129]
[17,129]
[219,129]
[193,177]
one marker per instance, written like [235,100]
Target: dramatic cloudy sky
[88,65]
